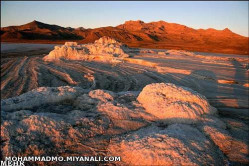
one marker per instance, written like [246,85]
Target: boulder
[174,104]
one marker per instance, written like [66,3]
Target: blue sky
[200,14]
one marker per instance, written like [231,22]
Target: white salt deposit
[173,104]
[105,46]
[71,120]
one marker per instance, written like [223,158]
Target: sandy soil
[222,79]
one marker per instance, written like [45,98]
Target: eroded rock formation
[141,127]
[103,48]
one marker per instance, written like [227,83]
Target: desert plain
[148,106]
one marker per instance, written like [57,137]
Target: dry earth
[52,106]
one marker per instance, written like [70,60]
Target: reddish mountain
[38,30]
[135,34]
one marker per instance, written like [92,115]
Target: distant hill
[38,30]
[135,34]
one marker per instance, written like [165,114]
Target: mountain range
[159,35]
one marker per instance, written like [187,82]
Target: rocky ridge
[159,34]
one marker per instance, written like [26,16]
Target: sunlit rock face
[105,46]
[178,144]
[180,127]
[174,104]
[71,50]
[109,46]
[67,120]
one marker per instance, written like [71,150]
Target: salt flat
[22,47]
[118,110]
